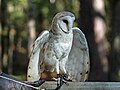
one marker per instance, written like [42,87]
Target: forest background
[23,20]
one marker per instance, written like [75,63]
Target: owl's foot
[67,77]
[60,82]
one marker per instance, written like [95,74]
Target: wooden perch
[84,86]
[7,82]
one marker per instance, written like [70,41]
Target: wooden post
[83,86]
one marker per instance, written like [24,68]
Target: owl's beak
[71,21]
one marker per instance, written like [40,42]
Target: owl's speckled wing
[33,67]
[78,62]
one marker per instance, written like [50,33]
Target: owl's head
[62,22]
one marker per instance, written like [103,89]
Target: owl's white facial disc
[62,23]
[66,23]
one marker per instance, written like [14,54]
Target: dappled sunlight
[99,27]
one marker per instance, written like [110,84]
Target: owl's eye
[65,21]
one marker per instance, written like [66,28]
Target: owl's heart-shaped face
[63,22]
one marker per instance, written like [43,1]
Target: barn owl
[62,48]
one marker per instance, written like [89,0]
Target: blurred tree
[19,17]
[5,35]
[12,21]
[114,38]
[0,41]
[92,22]
[31,25]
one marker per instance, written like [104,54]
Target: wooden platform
[84,86]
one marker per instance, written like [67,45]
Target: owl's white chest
[63,44]
[57,48]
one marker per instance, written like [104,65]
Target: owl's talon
[67,77]
[60,82]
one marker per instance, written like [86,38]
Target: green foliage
[22,3]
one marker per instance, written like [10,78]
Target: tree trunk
[92,23]
[114,56]
[0,41]
[31,26]
[11,49]
[4,36]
